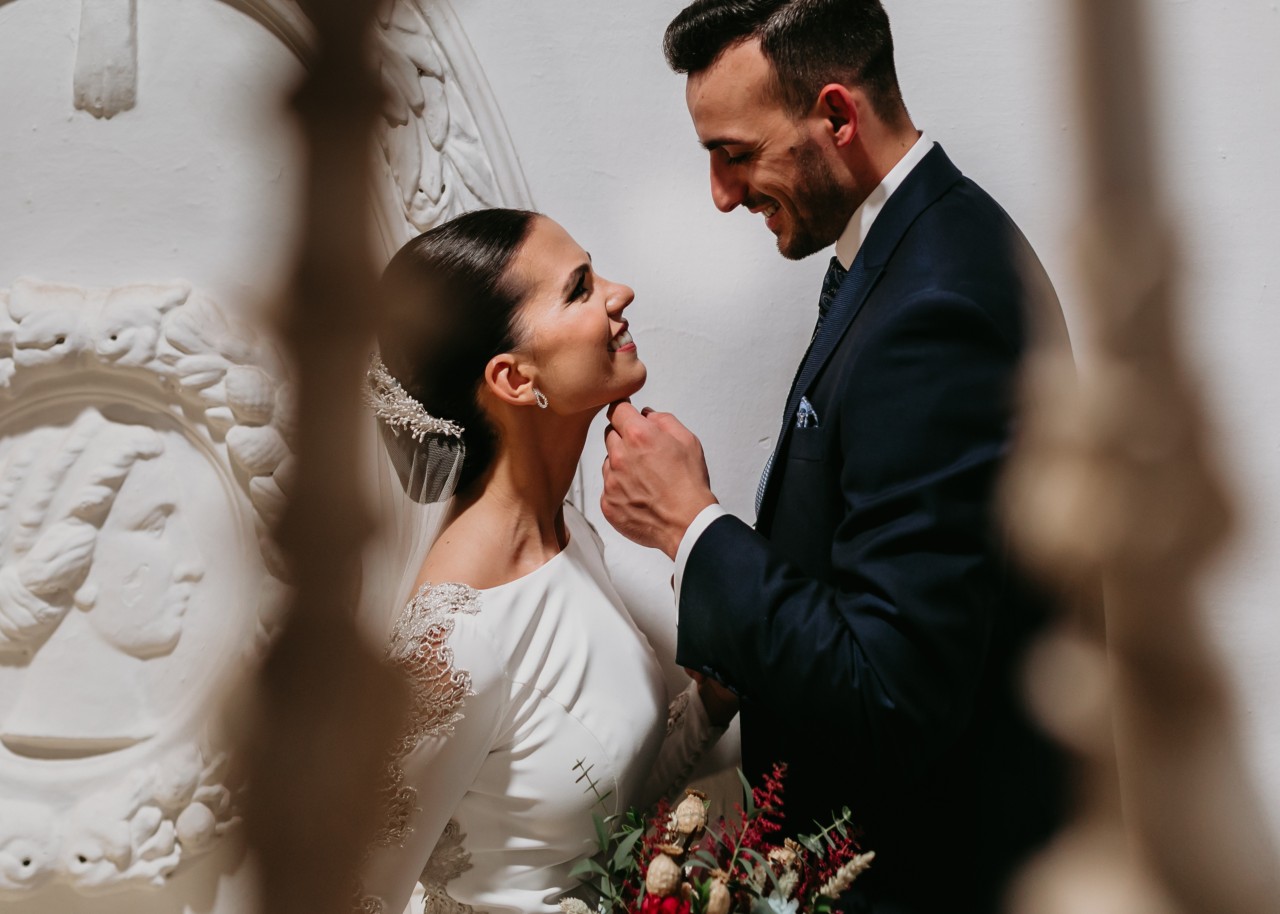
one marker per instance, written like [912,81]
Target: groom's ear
[837,108]
[508,378]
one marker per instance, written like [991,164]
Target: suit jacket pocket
[807,443]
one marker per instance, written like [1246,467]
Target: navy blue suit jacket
[871,621]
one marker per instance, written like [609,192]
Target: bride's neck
[524,489]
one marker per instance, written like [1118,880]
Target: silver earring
[540,397]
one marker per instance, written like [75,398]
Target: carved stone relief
[445,149]
[106,77]
[141,458]
[432,142]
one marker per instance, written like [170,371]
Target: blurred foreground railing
[1114,483]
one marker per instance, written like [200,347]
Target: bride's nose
[620,297]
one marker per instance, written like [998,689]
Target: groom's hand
[655,477]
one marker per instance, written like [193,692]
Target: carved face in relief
[145,565]
[136,427]
[100,567]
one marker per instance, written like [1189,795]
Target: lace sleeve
[689,735]
[458,695]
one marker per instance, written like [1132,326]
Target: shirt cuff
[706,517]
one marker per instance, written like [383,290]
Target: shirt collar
[855,233]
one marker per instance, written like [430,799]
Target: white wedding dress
[535,703]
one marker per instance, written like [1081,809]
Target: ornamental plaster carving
[444,147]
[443,143]
[142,456]
[106,76]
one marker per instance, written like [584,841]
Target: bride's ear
[509,379]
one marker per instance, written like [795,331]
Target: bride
[535,699]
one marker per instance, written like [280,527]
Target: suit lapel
[928,181]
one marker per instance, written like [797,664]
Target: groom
[870,623]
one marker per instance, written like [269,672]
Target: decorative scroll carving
[141,445]
[445,149]
[431,142]
[106,78]
[444,143]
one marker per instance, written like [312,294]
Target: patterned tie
[830,286]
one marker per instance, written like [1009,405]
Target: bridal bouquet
[675,862]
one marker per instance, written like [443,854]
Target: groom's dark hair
[452,304]
[810,43]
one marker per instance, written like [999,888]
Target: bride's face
[573,325]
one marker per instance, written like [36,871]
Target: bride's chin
[627,388]
[642,375]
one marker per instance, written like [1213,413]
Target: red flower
[672,904]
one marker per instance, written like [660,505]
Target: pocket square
[806,416]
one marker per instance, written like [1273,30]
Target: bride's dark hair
[451,307]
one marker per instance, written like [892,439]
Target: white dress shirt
[847,247]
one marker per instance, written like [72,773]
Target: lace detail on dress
[447,862]
[420,649]
[676,710]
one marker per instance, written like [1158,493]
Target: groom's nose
[727,189]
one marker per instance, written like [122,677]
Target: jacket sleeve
[889,648]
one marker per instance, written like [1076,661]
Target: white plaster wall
[721,319]
[196,182]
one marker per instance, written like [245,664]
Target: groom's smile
[766,159]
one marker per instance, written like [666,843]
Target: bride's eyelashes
[584,287]
[581,283]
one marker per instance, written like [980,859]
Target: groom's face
[763,157]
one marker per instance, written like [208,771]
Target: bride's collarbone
[480,562]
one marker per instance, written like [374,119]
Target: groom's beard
[822,205]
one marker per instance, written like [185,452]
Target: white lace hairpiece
[393,405]
[429,458]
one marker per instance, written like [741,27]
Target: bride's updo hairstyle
[451,306]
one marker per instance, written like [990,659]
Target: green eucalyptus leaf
[625,847]
[706,858]
[602,832]
[749,796]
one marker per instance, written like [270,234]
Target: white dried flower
[846,874]
[787,883]
[782,856]
[574,906]
[778,905]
